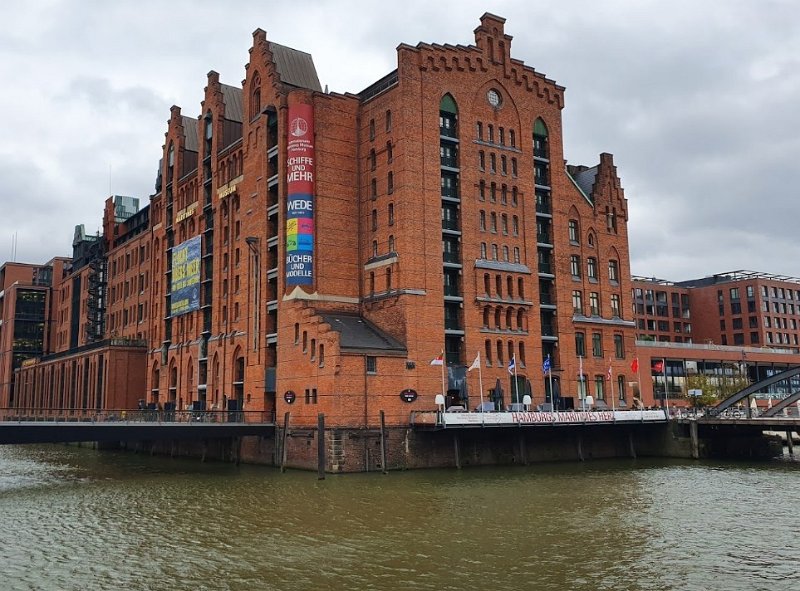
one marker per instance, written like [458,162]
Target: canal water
[76,519]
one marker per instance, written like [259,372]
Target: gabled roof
[357,334]
[585,179]
[190,133]
[295,68]
[233,103]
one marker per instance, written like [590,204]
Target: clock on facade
[494,98]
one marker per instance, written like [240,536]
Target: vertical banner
[185,285]
[300,191]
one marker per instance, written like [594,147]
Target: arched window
[497,315]
[509,317]
[521,319]
[448,117]
[486,284]
[486,312]
[255,97]
[541,148]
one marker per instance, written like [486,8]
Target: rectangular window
[580,344]
[372,364]
[613,271]
[575,266]
[615,305]
[597,344]
[577,301]
[591,268]
[619,347]
[594,303]
[598,388]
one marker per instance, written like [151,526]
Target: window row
[776,322]
[135,256]
[373,289]
[129,287]
[373,190]
[601,382]
[489,135]
[309,346]
[496,192]
[777,292]
[499,253]
[499,352]
[492,226]
[128,316]
[498,286]
[373,156]
[390,245]
[499,318]
[591,268]
[595,308]
[387,123]
[389,217]
[492,164]
[597,345]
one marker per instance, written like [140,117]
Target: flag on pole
[658,366]
[546,365]
[512,365]
[477,363]
[439,360]
[608,374]
[635,365]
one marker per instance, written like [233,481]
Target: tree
[715,387]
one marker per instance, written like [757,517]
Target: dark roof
[233,102]
[585,179]
[357,334]
[502,266]
[295,67]
[190,133]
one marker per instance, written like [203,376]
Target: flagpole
[666,400]
[516,383]
[639,382]
[552,393]
[444,393]
[581,393]
[613,396]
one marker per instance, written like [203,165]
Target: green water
[73,518]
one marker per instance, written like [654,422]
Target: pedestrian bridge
[72,426]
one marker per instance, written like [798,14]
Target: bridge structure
[738,418]
[72,426]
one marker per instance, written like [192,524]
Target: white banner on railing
[545,418]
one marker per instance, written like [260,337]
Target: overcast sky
[699,101]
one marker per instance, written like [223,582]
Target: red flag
[635,365]
[608,374]
[658,366]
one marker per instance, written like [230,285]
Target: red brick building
[434,214]
[312,252]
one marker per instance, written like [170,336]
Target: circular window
[494,98]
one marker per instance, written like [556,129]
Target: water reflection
[73,518]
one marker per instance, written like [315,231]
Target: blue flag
[546,365]
[512,365]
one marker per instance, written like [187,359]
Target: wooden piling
[383,443]
[321,446]
[283,441]
[631,445]
[790,442]
[457,449]
[695,439]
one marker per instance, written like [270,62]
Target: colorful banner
[185,286]
[300,191]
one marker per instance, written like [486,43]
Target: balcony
[450,224]
[449,161]
[451,257]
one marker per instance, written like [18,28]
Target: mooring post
[523,450]
[631,445]
[695,439]
[457,449]
[790,442]
[321,446]
[580,446]
[283,441]
[383,443]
